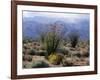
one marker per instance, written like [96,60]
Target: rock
[38,58]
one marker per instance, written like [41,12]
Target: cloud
[70,17]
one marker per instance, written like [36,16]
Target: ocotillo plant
[74,37]
[53,39]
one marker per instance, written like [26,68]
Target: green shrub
[52,39]
[32,52]
[63,51]
[39,64]
[52,42]
[55,59]
[25,41]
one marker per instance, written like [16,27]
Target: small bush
[67,62]
[63,51]
[30,40]
[43,48]
[79,55]
[32,52]
[52,39]
[55,58]
[86,54]
[41,53]
[25,46]
[27,57]
[39,64]
[25,41]
[65,43]
[27,65]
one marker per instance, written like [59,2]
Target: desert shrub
[74,37]
[41,53]
[27,58]
[35,43]
[63,51]
[78,55]
[55,59]
[37,48]
[64,43]
[30,40]
[42,48]
[67,62]
[86,54]
[51,38]
[27,65]
[25,41]
[32,52]
[25,46]
[39,64]
[52,43]
[38,44]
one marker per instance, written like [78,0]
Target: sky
[71,17]
[35,19]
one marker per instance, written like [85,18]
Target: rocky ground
[34,55]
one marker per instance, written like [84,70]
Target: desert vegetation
[53,48]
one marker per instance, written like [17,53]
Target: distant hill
[31,26]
